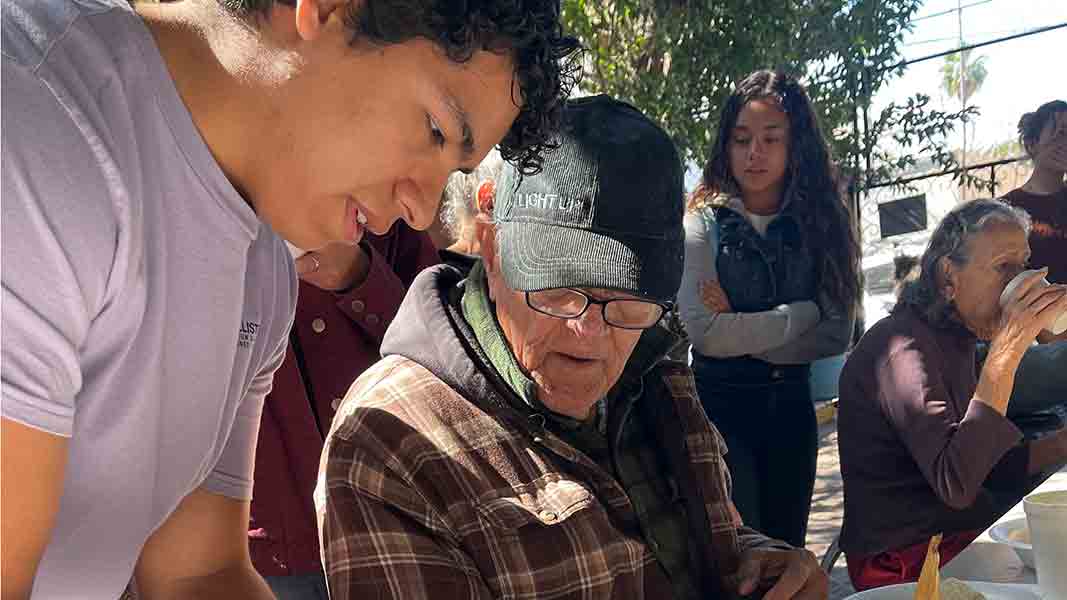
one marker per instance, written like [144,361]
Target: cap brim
[537,256]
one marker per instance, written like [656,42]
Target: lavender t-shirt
[145,307]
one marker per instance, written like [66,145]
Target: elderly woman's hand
[1033,307]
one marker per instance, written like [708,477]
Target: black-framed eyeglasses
[624,313]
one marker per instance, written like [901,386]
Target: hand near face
[787,573]
[714,297]
[1033,307]
[334,267]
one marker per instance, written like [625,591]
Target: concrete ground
[827,508]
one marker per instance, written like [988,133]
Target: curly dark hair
[545,59]
[1033,123]
[810,184]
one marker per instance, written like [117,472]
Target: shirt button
[373,320]
[548,516]
[336,402]
[358,306]
[318,325]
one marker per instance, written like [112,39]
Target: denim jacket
[758,273]
[779,313]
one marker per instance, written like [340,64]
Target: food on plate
[1020,535]
[954,589]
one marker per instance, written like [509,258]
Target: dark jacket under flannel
[432,486]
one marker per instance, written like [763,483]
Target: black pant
[767,417]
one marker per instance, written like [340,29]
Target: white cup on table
[1046,515]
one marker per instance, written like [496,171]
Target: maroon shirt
[1048,237]
[335,338]
[916,452]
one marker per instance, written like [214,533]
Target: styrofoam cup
[1046,515]
[1059,325]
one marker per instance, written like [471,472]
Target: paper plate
[1002,533]
[992,591]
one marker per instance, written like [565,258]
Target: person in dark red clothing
[348,297]
[1044,196]
[1042,382]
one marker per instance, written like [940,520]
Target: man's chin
[578,411]
[573,402]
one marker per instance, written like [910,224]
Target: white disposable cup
[1059,325]
[1046,515]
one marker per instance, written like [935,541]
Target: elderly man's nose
[591,322]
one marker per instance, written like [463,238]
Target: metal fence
[992,177]
[990,183]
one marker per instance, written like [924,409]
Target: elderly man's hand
[787,574]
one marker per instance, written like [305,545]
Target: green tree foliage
[678,60]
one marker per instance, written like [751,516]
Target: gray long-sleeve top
[794,333]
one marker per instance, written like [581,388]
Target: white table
[986,560]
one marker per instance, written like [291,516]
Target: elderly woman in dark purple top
[923,438]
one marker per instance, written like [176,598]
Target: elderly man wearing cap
[523,436]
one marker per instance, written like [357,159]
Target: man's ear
[485,233]
[486,196]
[311,15]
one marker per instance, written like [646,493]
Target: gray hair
[951,240]
[460,203]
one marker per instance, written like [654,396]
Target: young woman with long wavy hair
[771,284]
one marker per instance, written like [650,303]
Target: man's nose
[591,323]
[418,206]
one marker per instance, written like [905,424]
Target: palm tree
[961,77]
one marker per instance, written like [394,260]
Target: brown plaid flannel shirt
[425,494]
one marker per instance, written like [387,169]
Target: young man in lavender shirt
[154,158]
